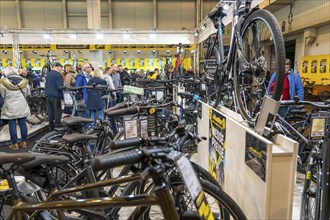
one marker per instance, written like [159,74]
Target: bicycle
[248,59]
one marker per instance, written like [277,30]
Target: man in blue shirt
[54,95]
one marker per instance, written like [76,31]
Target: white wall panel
[77,22]
[104,22]
[8,14]
[40,14]
[77,7]
[321,44]
[136,14]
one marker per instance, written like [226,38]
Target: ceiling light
[225,7]
[138,51]
[73,36]
[66,51]
[124,51]
[34,51]
[46,36]
[4,51]
[167,51]
[110,51]
[203,27]
[20,52]
[79,51]
[196,33]
[50,51]
[152,36]
[153,51]
[99,36]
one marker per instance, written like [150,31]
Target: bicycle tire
[53,136]
[324,96]
[38,109]
[46,68]
[258,62]
[223,200]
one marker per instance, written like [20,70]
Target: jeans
[13,129]
[120,97]
[96,114]
[54,111]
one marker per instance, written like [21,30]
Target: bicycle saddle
[73,138]
[219,13]
[72,121]
[15,158]
[45,159]
[185,94]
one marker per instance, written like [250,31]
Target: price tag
[131,130]
[160,96]
[68,101]
[144,128]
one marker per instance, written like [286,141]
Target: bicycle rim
[260,34]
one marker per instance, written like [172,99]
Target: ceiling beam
[18,14]
[110,13]
[155,14]
[65,14]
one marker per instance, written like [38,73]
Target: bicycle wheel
[37,111]
[222,206]
[311,194]
[46,68]
[213,74]
[48,142]
[324,96]
[259,34]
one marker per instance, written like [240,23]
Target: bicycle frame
[161,197]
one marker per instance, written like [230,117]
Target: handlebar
[313,104]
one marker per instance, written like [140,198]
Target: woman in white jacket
[15,109]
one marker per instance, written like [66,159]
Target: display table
[257,173]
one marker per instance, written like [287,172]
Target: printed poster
[217,143]
[151,62]
[314,66]
[123,62]
[132,62]
[141,62]
[305,66]
[323,66]
[256,155]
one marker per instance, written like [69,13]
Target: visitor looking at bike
[292,86]
[13,90]
[94,104]
[54,95]
[116,81]
[82,79]
[69,75]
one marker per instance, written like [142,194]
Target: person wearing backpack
[14,89]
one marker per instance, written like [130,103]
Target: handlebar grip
[182,140]
[107,161]
[130,142]
[118,106]
[123,111]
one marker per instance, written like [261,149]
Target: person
[116,81]
[14,89]
[54,95]
[109,81]
[292,86]
[154,74]
[125,77]
[95,104]
[28,76]
[82,79]
[69,75]
[189,73]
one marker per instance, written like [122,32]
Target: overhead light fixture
[124,51]
[20,52]
[152,36]
[50,51]
[110,51]
[34,51]
[138,51]
[4,51]
[225,7]
[153,51]
[46,36]
[196,33]
[79,51]
[66,51]
[167,51]
[203,27]
[99,36]
[73,36]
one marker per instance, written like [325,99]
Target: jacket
[81,80]
[116,80]
[54,84]
[110,84]
[94,97]
[295,83]
[153,76]
[15,105]
[125,78]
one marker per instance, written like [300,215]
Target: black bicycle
[256,41]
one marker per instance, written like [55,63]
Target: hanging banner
[217,149]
